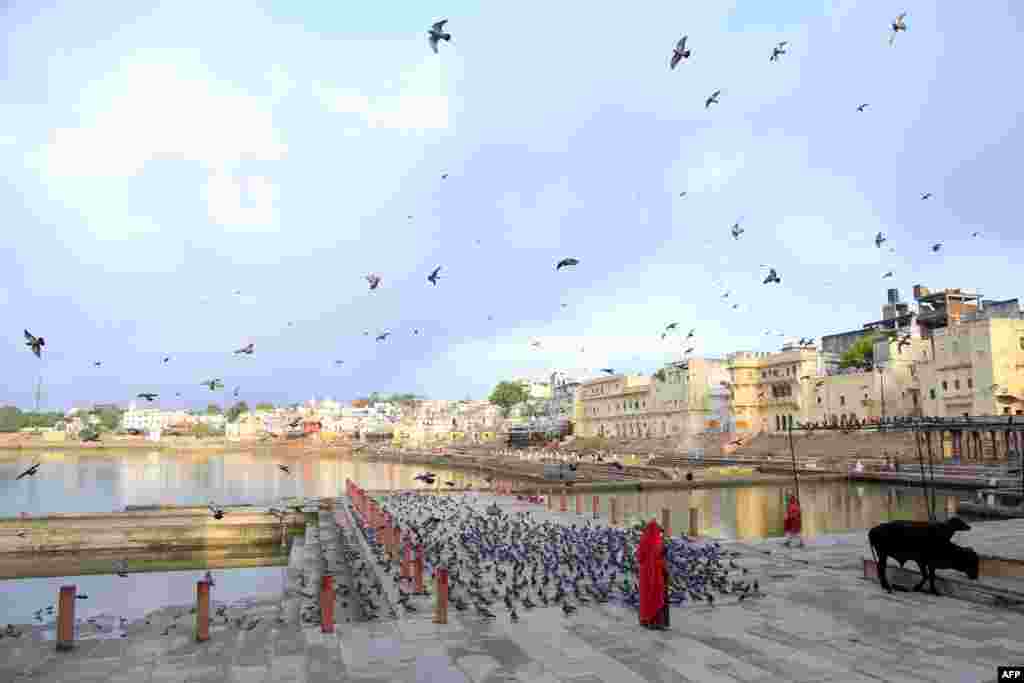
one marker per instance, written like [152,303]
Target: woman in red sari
[792,523]
[650,555]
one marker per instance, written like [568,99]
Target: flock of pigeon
[510,558]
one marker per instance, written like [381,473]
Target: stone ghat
[142,531]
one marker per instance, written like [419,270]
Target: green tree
[236,410]
[264,406]
[508,394]
[861,353]
[110,418]
[201,430]
[213,409]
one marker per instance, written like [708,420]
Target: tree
[201,429]
[861,353]
[659,375]
[213,409]
[110,418]
[264,406]
[508,394]
[236,410]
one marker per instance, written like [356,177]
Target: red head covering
[650,557]
[792,522]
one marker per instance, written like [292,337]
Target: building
[690,397]
[938,310]
[563,396]
[616,406]
[974,366]
[772,391]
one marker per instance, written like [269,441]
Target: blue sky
[159,157]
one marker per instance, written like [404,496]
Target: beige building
[616,406]
[771,391]
[690,397]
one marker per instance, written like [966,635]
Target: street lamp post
[881,375]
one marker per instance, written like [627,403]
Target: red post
[441,606]
[579,503]
[666,521]
[327,604]
[417,570]
[202,611]
[596,504]
[615,511]
[551,499]
[66,618]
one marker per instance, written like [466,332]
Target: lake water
[75,482]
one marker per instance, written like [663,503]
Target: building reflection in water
[69,483]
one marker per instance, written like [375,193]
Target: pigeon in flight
[683,193]
[772,277]
[374,281]
[150,397]
[416,330]
[284,468]
[778,51]
[679,53]
[887,274]
[213,384]
[247,349]
[30,472]
[809,341]
[926,195]
[898,25]
[237,389]
[862,107]
[691,333]
[432,278]
[218,513]
[736,231]
[689,349]
[713,99]
[339,362]
[167,359]
[121,568]
[879,239]
[97,363]
[444,176]
[609,371]
[35,343]
[535,343]
[975,234]
[936,247]
[437,34]
[383,336]
[564,263]
[726,294]
[671,326]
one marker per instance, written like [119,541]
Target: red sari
[650,556]
[792,523]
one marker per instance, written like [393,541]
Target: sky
[159,157]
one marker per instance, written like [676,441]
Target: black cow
[926,544]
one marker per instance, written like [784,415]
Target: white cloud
[226,196]
[405,112]
[8,140]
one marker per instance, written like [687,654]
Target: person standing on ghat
[792,523]
[650,555]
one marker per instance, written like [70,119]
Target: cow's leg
[935,591]
[882,559]
[922,567]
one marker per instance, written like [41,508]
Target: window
[945,385]
[842,400]
[970,383]
[1021,342]
[914,397]
[931,394]
[819,400]
[956,384]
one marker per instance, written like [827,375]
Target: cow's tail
[871,542]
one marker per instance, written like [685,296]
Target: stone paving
[814,624]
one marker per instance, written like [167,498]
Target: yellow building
[975,367]
[615,406]
[690,397]
[770,391]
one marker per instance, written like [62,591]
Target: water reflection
[757,512]
[86,482]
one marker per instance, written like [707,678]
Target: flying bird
[862,107]
[898,25]
[936,246]
[887,274]
[339,362]
[374,281]
[713,99]
[432,278]
[778,51]
[689,350]
[444,176]
[383,336]
[284,468]
[609,371]
[535,343]
[926,195]
[975,234]
[683,193]
[218,513]
[437,34]
[879,239]
[679,53]
[736,231]
[121,568]
[167,359]
[30,472]
[772,277]
[671,326]
[35,343]
[97,363]
[148,396]
[213,384]
[247,349]
[564,263]
[237,389]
